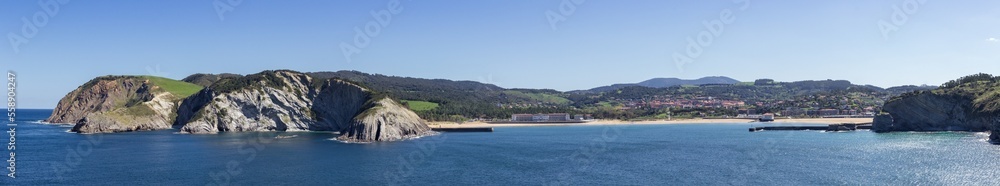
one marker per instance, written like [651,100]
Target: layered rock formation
[384,120]
[966,105]
[267,101]
[927,111]
[116,104]
[292,101]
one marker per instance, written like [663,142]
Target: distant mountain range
[667,82]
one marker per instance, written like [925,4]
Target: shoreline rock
[268,101]
[971,103]
[292,101]
[112,104]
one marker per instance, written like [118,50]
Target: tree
[762,82]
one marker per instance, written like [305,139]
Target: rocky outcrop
[971,103]
[927,111]
[385,120]
[882,123]
[292,101]
[279,104]
[116,104]
[268,101]
[995,137]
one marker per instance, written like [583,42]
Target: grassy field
[420,105]
[547,98]
[178,88]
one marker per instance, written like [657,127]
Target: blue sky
[506,42]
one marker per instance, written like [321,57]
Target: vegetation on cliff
[179,89]
[230,84]
[122,103]
[970,103]
[206,80]
[463,100]
[983,89]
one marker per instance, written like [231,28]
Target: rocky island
[281,100]
[971,103]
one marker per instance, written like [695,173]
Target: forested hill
[440,99]
[457,100]
[665,82]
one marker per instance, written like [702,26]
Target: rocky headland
[280,100]
[971,103]
[121,104]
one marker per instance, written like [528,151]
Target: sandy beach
[680,121]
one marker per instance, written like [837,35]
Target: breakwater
[831,127]
[466,129]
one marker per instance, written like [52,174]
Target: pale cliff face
[302,104]
[386,120]
[285,108]
[269,101]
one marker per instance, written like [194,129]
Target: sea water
[680,154]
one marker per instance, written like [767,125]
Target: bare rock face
[927,111]
[97,95]
[262,107]
[995,136]
[268,101]
[385,120]
[971,103]
[292,101]
[882,123]
[115,104]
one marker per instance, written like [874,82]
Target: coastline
[653,122]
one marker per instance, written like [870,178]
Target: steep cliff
[292,101]
[384,120]
[121,103]
[268,101]
[971,103]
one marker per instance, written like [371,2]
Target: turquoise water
[575,155]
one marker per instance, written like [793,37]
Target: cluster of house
[552,117]
[698,102]
[869,111]
[827,113]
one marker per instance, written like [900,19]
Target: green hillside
[178,88]
[420,105]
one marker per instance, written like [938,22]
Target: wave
[430,133]
[47,123]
